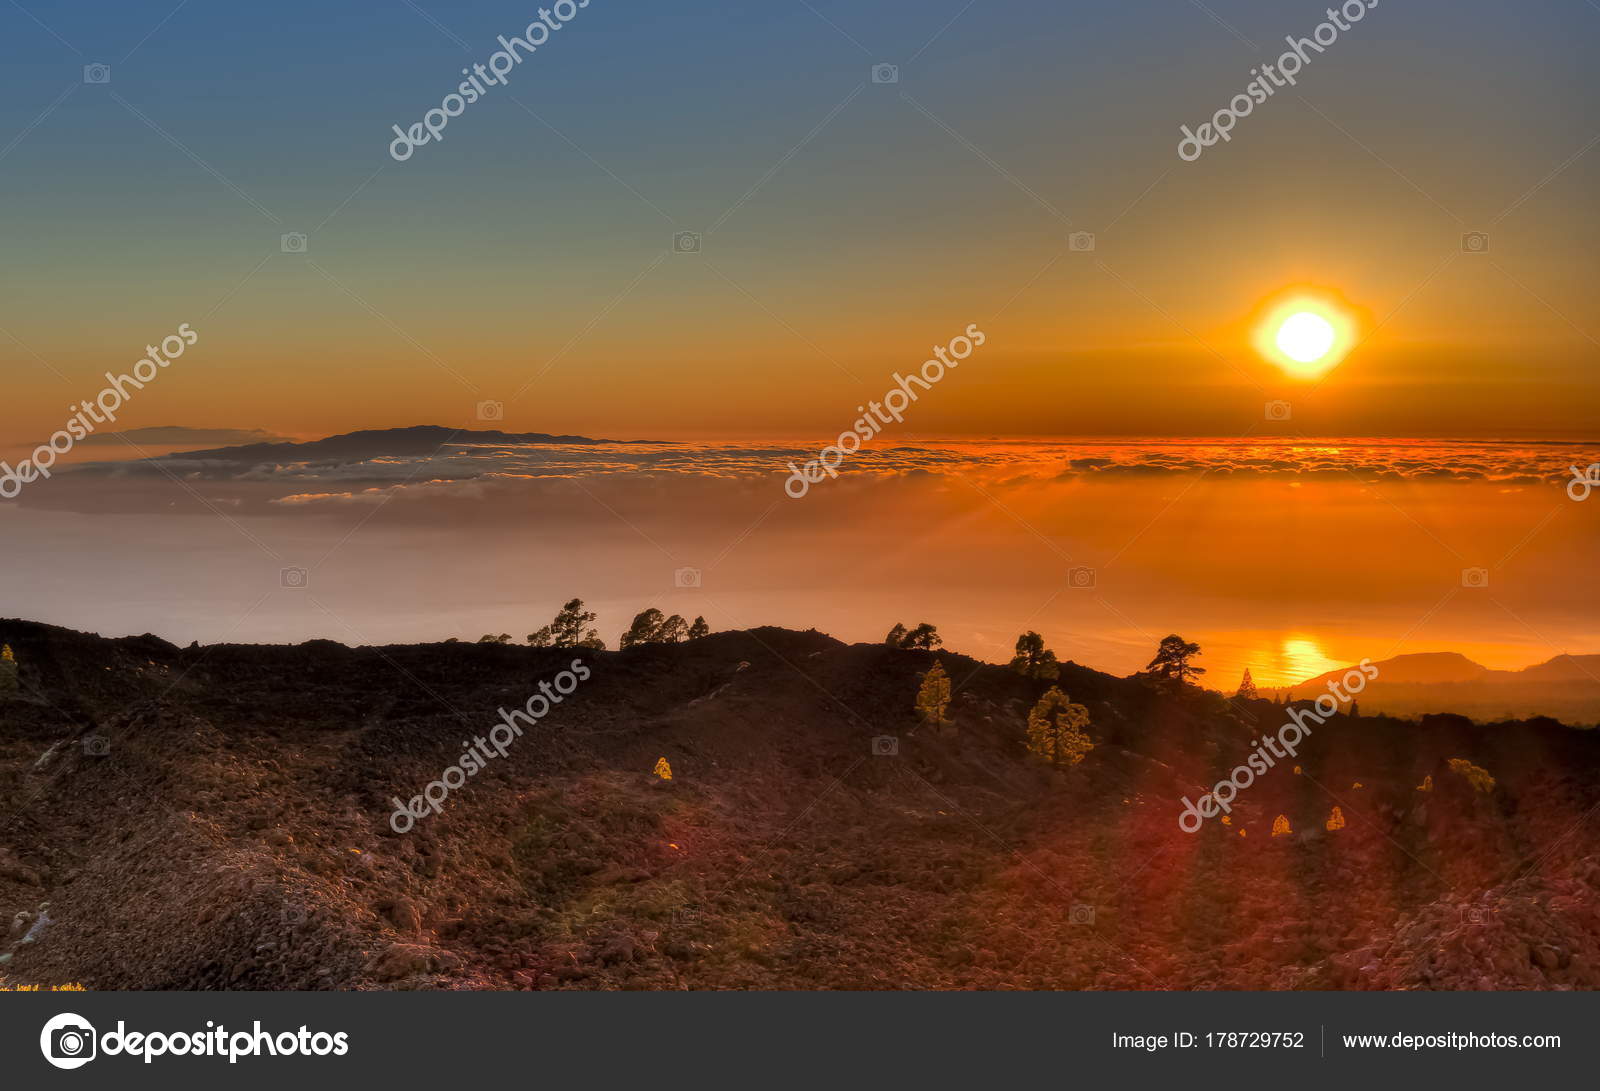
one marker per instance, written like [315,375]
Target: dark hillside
[220,818]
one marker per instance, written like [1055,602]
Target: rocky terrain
[219,818]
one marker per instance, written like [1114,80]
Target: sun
[1306,337]
[1306,334]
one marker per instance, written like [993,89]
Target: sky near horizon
[847,226]
[1425,192]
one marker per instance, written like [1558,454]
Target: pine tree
[1034,660]
[1172,661]
[923,638]
[570,629]
[643,629]
[933,697]
[1280,826]
[1247,687]
[650,627]
[699,629]
[674,630]
[1056,729]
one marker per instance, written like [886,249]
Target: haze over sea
[1282,554]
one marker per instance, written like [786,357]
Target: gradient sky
[849,226]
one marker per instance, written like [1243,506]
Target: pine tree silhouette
[1247,687]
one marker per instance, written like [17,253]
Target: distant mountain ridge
[1566,687]
[422,439]
[173,435]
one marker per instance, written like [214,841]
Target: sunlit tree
[662,769]
[1280,826]
[8,670]
[1335,819]
[1056,729]
[1034,660]
[933,697]
[1476,775]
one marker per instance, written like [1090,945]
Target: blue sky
[869,213]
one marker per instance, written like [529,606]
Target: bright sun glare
[1305,335]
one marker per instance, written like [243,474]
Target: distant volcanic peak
[1430,668]
[173,435]
[1425,668]
[1563,668]
[422,439]
[1447,668]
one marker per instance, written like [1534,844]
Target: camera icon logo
[1081,242]
[96,746]
[1279,410]
[885,746]
[686,242]
[1474,577]
[1081,914]
[885,73]
[491,410]
[1475,242]
[686,577]
[97,73]
[294,242]
[1082,578]
[68,1041]
[294,578]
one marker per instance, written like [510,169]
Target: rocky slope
[220,818]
